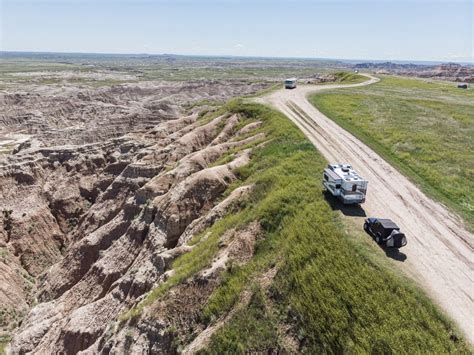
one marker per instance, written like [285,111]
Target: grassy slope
[423,128]
[334,295]
[349,78]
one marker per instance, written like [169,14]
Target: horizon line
[365,60]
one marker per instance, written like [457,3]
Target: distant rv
[290,83]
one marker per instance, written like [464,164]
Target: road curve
[439,253]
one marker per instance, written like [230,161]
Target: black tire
[378,239]
[366,227]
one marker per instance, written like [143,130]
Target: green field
[424,128]
[329,291]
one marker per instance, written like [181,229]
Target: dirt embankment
[439,251]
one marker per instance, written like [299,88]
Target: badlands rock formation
[448,71]
[90,227]
[59,115]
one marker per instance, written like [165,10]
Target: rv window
[338,186]
[354,187]
[326,177]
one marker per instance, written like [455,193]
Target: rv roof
[332,174]
[345,171]
[291,79]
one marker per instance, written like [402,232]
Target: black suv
[385,232]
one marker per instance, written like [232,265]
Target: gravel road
[439,253]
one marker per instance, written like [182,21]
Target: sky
[418,30]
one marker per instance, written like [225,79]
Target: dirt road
[439,254]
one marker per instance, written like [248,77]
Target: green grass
[343,301]
[254,330]
[338,297]
[333,293]
[425,129]
[349,78]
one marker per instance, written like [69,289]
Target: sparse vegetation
[425,129]
[72,223]
[6,148]
[3,254]
[7,222]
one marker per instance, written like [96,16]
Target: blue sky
[397,30]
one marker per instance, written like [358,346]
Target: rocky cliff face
[89,229]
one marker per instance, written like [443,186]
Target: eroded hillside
[126,227]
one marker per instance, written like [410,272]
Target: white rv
[290,83]
[343,182]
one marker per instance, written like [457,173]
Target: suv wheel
[378,239]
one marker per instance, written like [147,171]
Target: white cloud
[239,46]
